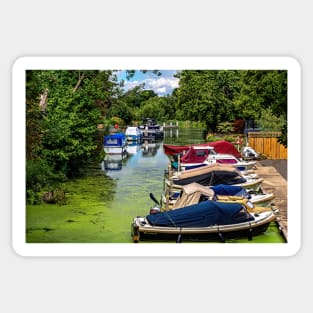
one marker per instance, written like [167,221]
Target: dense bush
[40,176]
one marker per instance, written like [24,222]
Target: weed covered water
[101,207]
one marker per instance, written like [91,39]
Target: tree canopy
[64,107]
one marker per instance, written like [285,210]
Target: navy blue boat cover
[213,178]
[203,214]
[229,190]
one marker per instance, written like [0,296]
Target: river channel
[101,207]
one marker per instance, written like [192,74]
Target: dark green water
[101,207]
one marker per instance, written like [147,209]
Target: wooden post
[168,188]
[136,233]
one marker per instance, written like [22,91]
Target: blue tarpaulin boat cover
[203,214]
[114,140]
[229,190]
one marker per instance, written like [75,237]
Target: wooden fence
[266,143]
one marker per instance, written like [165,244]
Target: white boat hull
[141,226]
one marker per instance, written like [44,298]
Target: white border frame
[163,63]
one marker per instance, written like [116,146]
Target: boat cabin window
[112,141]
[201,153]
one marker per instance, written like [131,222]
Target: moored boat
[194,193]
[234,193]
[205,155]
[213,175]
[114,143]
[150,130]
[208,218]
[220,146]
[133,134]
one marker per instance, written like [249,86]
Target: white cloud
[160,85]
[161,90]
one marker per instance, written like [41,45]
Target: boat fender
[155,210]
[250,233]
[179,238]
[221,236]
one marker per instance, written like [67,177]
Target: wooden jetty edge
[276,184]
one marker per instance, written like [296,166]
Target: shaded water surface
[101,207]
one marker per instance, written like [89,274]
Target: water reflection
[184,136]
[132,148]
[142,172]
[113,162]
[150,148]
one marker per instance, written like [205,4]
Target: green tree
[122,110]
[261,90]
[207,96]
[74,102]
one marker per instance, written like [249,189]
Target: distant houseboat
[114,143]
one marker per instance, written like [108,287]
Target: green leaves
[75,100]
[207,96]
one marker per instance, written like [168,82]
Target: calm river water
[101,208]
[142,172]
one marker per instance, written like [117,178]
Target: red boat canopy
[221,146]
[197,154]
[226,147]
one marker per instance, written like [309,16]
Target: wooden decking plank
[276,184]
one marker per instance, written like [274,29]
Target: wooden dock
[276,184]
[169,126]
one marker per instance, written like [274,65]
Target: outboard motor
[248,152]
[155,209]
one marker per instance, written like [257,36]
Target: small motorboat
[133,134]
[150,130]
[205,220]
[234,193]
[220,146]
[206,155]
[194,193]
[115,143]
[213,175]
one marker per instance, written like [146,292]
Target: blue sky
[161,85]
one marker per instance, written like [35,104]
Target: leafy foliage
[62,112]
[207,96]
[63,108]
